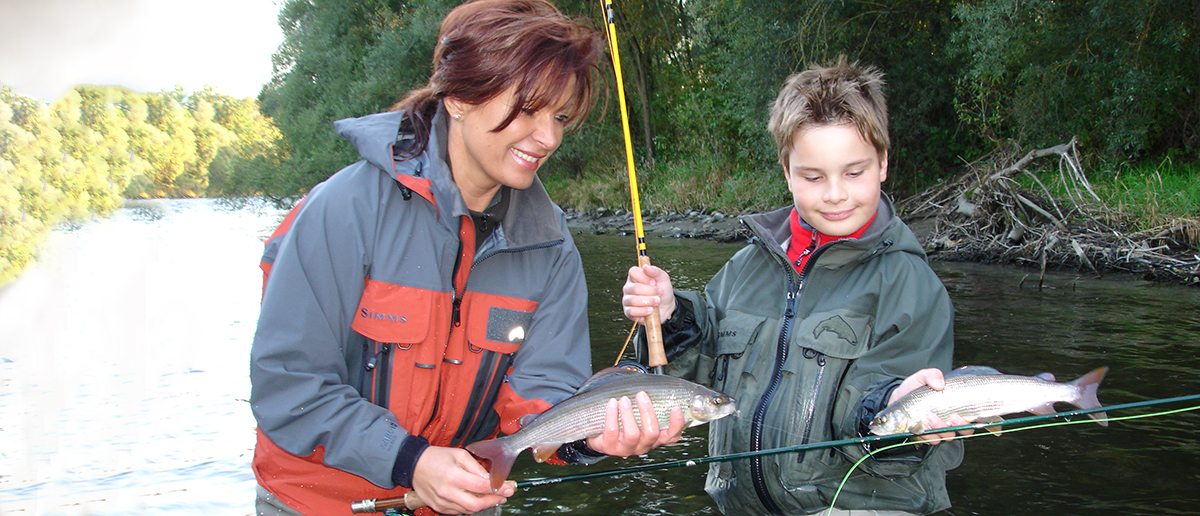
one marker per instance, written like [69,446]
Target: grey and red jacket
[385,329]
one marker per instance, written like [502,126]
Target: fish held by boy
[983,394]
[582,415]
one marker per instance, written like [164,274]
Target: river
[123,378]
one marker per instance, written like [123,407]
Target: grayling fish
[983,394]
[582,415]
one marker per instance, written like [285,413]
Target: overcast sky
[47,46]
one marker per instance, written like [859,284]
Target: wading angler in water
[827,317]
[430,296]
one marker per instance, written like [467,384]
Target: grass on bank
[1156,199]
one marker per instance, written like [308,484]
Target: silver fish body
[582,415]
[983,394]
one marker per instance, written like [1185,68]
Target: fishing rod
[411,502]
[654,341]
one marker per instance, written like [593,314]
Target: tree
[26,201]
[322,74]
[174,160]
[1120,75]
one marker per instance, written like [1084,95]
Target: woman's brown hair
[487,46]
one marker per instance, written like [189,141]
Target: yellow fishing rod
[654,340]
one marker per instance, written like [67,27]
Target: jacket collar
[774,230]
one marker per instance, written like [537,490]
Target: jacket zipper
[812,407]
[383,373]
[473,405]
[457,292]
[756,425]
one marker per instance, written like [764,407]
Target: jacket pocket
[734,352]
[498,323]
[726,364]
[393,313]
[824,346]
[401,324]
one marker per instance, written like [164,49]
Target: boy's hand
[934,379]
[645,288]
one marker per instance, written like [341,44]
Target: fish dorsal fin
[973,370]
[609,374]
[1049,377]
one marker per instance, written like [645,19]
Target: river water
[123,378]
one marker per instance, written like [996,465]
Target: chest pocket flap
[394,313]
[498,323]
[838,333]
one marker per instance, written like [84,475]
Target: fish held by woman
[582,415]
[983,394]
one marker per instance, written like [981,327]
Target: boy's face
[835,176]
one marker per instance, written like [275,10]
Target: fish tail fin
[500,456]
[1088,385]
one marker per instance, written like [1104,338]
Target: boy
[814,326]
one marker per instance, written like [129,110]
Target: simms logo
[380,316]
[837,326]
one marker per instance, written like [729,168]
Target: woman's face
[482,159]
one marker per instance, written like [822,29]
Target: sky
[47,46]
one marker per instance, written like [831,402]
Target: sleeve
[690,333]
[556,357]
[914,329]
[302,395]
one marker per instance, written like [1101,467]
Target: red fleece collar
[805,241]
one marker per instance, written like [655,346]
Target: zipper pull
[455,317]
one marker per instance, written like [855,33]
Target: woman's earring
[457,117]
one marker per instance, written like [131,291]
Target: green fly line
[1031,420]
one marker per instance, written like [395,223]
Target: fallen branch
[986,216]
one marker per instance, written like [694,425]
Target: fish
[983,394]
[582,415]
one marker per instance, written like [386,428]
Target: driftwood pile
[987,216]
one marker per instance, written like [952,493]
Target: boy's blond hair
[831,95]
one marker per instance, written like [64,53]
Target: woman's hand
[934,379]
[622,437]
[645,288]
[451,481]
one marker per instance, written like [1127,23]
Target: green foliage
[76,157]
[1157,199]
[331,65]
[1119,74]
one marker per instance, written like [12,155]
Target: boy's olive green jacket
[812,357]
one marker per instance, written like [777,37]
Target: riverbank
[713,225]
[721,227]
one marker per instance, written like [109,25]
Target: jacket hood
[374,137]
[532,218]
[886,234]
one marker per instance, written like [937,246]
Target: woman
[430,294]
